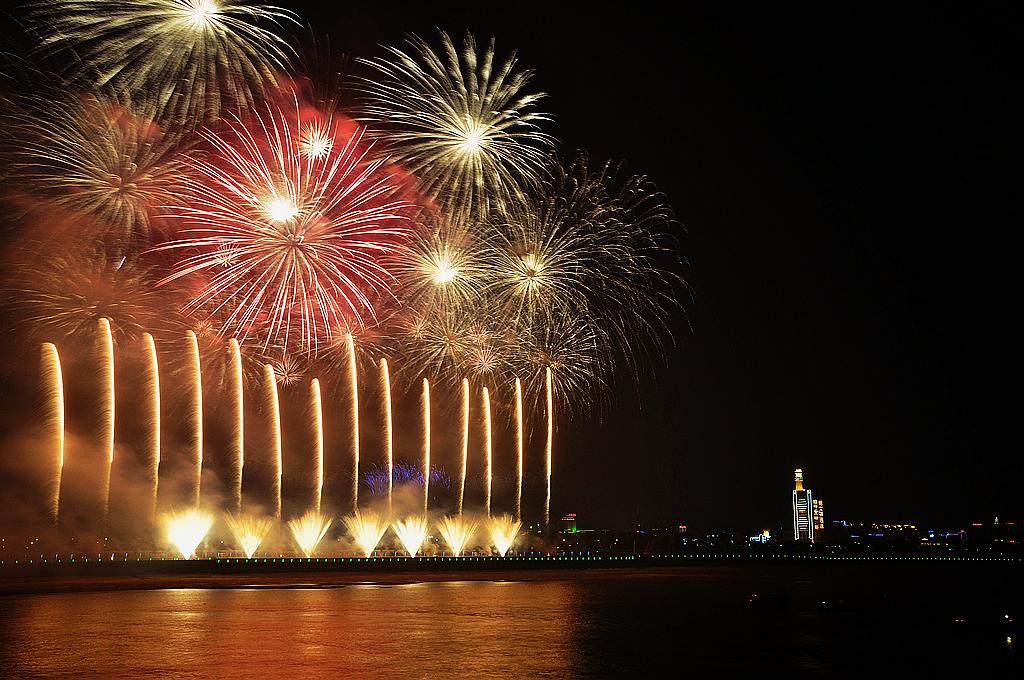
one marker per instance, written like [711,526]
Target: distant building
[569,523]
[803,510]
[819,518]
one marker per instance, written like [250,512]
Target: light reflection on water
[614,625]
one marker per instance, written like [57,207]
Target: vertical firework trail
[353,383]
[274,414]
[53,380]
[107,406]
[389,461]
[548,444]
[426,444]
[317,415]
[153,419]
[464,445]
[195,414]
[237,423]
[487,452]
[518,501]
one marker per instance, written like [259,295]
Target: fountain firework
[195,413]
[518,501]
[366,529]
[487,452]
[464,447]
[426,444]
[237,422]
[309,530]
[53,380]
[316,413]
[248,531]
[107,406]
[456,531]
[389,462]
[153,419]
[548,445]
[411,532]
[503,531]
[274,415]
[353,381]
[187,529]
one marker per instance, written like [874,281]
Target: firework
[53,381]
[193,57]
[274,416]
[105,344]
[411,531]
[237,423]
[517,503]
[549,444]
[248,531]
[463,446]
[153,419]
[487,451]
[308,235]
[67,294]
[366,529]
[309,530]
[457,533]
[195,415]
[503,531]
[441,270]
[107,163]
[317,417]
[464,125]
[426,444]
[353,385]
[376,478]
[389,462]
[187,529]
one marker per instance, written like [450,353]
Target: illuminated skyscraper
[803,510]
[818,506]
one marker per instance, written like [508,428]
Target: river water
[692,621]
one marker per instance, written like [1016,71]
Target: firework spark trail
[464,447]
[353,382]
[457,532]
[309,530]
[153,417]
[389,461]
[317,415]
[487,452]
[426,444]
[248,531]
[237,422]
[518,501]
[54,387]
[195,415]
[274,415]
[107,406]
[548,444]
[366,529]
[309,237]
[411,532]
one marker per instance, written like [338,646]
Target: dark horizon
[845,180]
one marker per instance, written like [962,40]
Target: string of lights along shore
[285,294]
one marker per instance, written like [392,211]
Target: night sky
[846,178]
